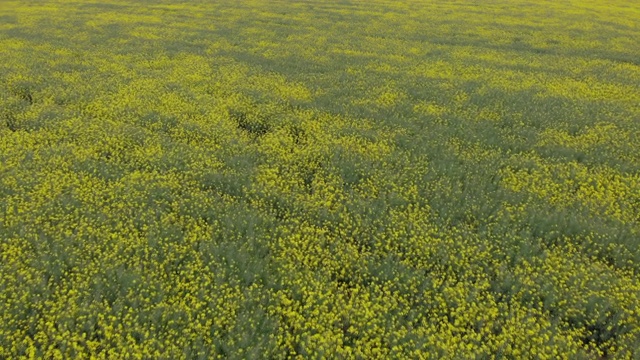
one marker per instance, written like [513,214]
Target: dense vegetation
[307,179]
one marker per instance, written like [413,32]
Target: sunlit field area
[410,179]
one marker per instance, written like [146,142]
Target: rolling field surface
[320,179]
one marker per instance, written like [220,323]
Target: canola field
[410,179]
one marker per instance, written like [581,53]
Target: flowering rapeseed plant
[317,179]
